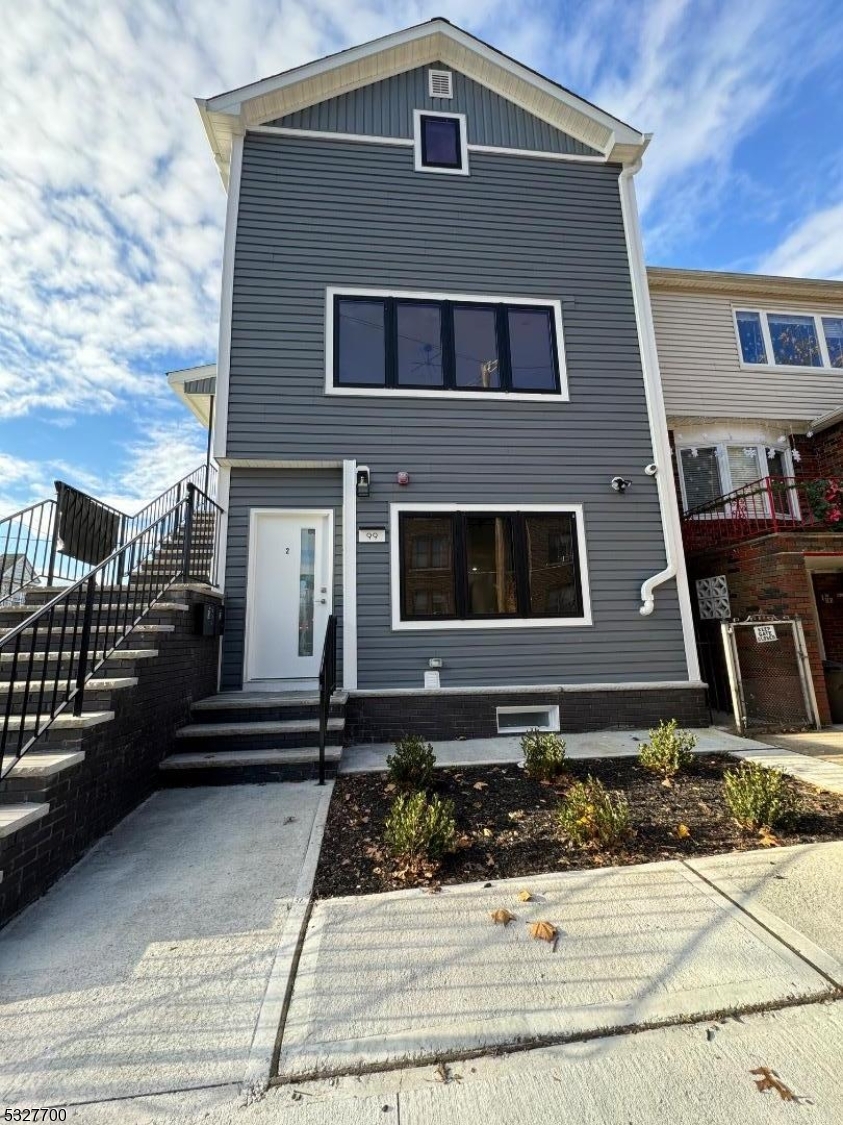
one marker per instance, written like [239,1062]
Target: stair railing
[60,539]
[327,687]
[53,654]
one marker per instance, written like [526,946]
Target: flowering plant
[826,500]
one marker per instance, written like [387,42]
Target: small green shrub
[668,751]
[759,797]
[590,814]
[411,766]
[420,830]
[544,755]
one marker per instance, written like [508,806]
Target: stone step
[54,656]
[222,767]
[23,611]
[98,693]
[15,817]
[62,722]
[275,735]
[37,765]
[233,707]
[98,683]
[43,635]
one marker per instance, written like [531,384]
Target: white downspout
[658,427]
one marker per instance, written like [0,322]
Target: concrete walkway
[827,743]
[145,968]
[395,979]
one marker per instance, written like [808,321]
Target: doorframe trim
[254,515]
[349,575]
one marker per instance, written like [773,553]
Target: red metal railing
[765,507]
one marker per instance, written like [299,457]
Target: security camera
[620,484]
[651,469]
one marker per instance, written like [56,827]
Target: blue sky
[111,224]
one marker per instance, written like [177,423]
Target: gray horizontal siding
[262,488]
[701,364]
[317,213]
[385,109]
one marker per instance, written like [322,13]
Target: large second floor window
[783,339]
[416,344]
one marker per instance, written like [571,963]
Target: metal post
[188,530]
[51,568]
[84,645]
[208,450]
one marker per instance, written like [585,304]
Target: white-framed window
[416,344]
[781,338]
[440,84]
[440,142]
[709,471]
[482,566]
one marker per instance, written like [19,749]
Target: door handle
[323,601]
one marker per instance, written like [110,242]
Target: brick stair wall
[120,768]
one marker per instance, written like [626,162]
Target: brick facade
[454,715]
[121,761]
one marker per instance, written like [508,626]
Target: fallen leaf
[667,783]
[390,788]
[480,785]
[487,832]
[502,917]
[769,1080]
[525,896]
[543,931]
[433,889]
[767,840]
[464,841]
[682,831]
[518,814]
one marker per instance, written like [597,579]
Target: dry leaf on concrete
[502,917]
[767,840]
[543,931]
[768,1080]
[525,896]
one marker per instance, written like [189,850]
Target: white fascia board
[198,405]
[448,44]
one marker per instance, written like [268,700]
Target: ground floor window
[709,472]
[487,565]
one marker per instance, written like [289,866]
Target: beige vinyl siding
[701,367]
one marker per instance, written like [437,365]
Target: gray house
[437,408]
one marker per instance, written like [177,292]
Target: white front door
[289,597]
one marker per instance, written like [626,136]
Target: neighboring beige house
[752,375]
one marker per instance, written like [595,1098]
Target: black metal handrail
[58,540]
[55,652]
[327,687]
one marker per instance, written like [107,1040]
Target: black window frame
[520,555]
[446,310]
[457,123]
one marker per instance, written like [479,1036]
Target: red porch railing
[765,507]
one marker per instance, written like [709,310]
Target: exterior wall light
[620,484]
[363,480]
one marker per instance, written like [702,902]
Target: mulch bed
[508,827]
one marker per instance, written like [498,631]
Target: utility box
[208,619]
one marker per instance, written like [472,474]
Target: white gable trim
[436,41]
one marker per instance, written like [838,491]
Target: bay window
[710,472]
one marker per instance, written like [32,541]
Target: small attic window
[440,83]
[440,142]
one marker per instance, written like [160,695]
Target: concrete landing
[399,978]
[144,969]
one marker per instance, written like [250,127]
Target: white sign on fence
[765,633]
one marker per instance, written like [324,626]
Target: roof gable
[437,41]
[385,109]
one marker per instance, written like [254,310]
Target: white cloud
[814,248]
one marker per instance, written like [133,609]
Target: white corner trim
[555,303]
[227,297]
[658,427]
[454,625]
[349,575]
[223,493]
[418,114]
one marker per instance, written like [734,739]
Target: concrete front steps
[239,737]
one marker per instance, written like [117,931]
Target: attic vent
[440,83]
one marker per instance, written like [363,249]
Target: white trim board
[408,142]
[333,291]
[227,298]
[501,689]
[454,625]
[251,607]
[349,575]
[666,487]
[419,165]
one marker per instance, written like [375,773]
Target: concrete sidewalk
[394,979]
[145,968]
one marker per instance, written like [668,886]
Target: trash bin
[834,686]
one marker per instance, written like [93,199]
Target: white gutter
[671,526]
